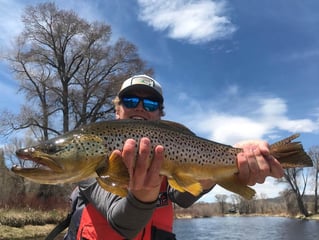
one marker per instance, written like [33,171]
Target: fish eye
[50,148]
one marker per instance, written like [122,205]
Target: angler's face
[140,111]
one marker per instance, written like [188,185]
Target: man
[147,213]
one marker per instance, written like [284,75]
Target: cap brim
[138,87]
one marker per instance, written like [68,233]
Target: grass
[26,232]
[16,224]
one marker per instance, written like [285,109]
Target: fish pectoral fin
[184,182]
[109,185]
[114,177]
[232,184]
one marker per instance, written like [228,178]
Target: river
[248,228]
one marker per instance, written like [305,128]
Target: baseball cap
[138,82]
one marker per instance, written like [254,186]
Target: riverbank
[29,231]
[312,217]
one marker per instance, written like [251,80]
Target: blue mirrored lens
[130,102]
[148,104]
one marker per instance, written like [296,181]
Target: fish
[87,152]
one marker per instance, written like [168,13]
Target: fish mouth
[25,171]
[42,161]
[25,153]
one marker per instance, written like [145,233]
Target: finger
[276,169]
[154,177]
[152,181]
[117,152]
[264,148]
[263,165]
[254,170]
[243,168]
[142,163]
[250,172]
[129,154]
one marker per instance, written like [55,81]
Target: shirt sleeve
[127,215]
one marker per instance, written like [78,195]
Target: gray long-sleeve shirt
[128,216]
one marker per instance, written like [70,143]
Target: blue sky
[230,70]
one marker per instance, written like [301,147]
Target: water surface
[248,228]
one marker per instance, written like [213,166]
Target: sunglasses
[148,104]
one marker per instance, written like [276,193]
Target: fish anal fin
[232,184]
[114,177]
[186,182]
[174,185]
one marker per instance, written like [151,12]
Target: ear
[117,112]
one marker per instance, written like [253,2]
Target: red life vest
[94,226]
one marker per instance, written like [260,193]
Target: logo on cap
[144,81]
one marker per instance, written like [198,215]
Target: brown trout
[87,152]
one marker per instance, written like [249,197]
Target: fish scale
[88,152]
[181,148]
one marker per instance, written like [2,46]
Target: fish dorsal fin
[177,126]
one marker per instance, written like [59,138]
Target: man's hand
[255,163]
[144,170]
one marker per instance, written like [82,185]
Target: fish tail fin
[290,154]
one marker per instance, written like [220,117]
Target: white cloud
[274,112]
[230,129]
[194,21]
[253,117]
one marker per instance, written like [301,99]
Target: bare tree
[244,206]
[68,69]
[297,179]
[289,198]
[235,200]
[6,182]
[314,154]
[221,199]
[262,203]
